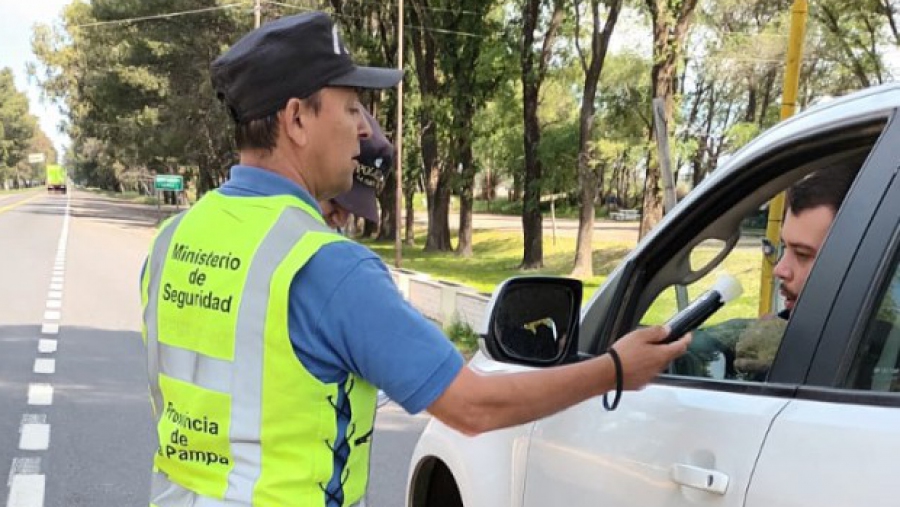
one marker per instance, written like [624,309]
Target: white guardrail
[440,301]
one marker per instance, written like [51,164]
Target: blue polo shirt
[347,315]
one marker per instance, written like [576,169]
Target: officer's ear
[294,122]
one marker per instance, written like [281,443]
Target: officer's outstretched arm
[474,403]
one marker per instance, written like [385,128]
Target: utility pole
[257,13]
[398,158]
[788,105]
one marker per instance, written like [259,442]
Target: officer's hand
[643,356]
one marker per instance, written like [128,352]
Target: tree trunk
[370,228]
[670,25]
[439,221]
[532,221]
[425,51]
[388,201]
[409,195]
[534,68]
[583,267]
[466,199]
[887,8]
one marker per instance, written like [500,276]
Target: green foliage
[19,137]
[138,99]
[17,125]
[463,336]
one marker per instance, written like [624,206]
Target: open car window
[736,343]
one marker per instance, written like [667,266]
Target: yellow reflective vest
[240,421]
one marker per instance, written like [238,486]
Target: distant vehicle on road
[56,178]
[798,413]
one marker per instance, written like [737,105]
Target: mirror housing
[533,320]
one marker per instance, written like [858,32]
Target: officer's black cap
[294,56]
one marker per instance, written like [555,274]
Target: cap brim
[376,78]
[360,200]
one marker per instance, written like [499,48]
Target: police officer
[267,332]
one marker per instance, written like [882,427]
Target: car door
[837,443]
[694,436]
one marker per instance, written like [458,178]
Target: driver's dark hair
[262,134]
[825,187]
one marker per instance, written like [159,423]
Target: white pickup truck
[819,427]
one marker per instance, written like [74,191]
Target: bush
[463,336]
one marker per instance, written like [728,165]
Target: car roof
[868,104]
[877,102]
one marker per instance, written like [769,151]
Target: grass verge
[497,254]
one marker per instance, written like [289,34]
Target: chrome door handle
[700,478]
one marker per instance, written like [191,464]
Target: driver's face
[802,236]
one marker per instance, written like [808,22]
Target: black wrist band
[619,381]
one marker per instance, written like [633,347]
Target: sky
[16,20]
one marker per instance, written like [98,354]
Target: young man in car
[749,345]
[812,204]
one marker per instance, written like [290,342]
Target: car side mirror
[534,320]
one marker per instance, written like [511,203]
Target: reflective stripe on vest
[202,467]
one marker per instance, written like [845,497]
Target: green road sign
[168,182]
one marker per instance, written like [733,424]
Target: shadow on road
[102,429]
[104,210]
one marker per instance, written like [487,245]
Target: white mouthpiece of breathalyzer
[727,288]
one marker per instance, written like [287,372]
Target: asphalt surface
[90,443]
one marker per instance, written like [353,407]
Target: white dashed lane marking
[26,490]
[34,434]
[46,346]
[40,394]
[27,485]
[42,365]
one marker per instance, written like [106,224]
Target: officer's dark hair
[262,133]
[825,187]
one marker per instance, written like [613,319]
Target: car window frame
[636,269]
[856,301]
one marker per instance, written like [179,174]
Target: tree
[141,89]
[479,63]
[592,66]
[671,20]
[535,59]
[425,49]
[889,9]
[17,129]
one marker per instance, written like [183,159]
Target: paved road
[75,422]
